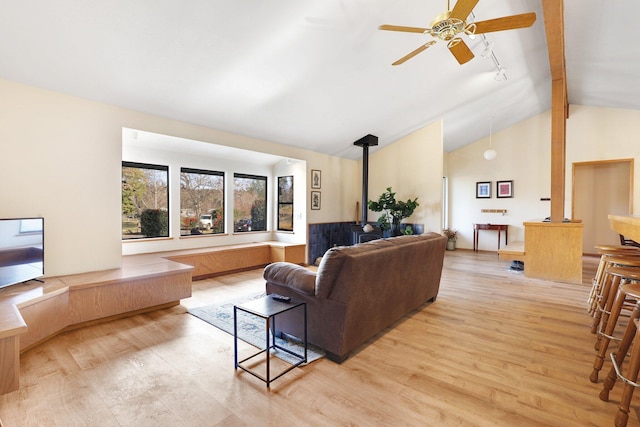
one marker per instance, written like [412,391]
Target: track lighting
[488,53]
[488,50]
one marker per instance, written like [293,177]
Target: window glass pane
[145,201]
[285,203]
[249,203]
[201,202]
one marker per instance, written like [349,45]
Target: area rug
[251,329]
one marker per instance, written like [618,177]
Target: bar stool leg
[605,338]
[629,384]
[596,286]
[602,299]
[620,354]
[606,310]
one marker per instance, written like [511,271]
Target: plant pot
[395,229]
[451,245]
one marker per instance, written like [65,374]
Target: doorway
[599,189]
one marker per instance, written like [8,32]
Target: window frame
[155,167]
[239,175]
[221,174]
[282,204]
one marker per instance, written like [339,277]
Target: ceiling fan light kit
[446,28]
[450,25]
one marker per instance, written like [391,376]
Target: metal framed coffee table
[268,309]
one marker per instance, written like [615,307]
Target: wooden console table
[499,227]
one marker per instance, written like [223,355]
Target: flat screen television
[21,250]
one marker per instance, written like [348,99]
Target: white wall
[340,188]
[61,156]
[524,154]
[297,169]
[603,134]
[413,167]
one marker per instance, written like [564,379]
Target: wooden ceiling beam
[553,11]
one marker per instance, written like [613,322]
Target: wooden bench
[215,261]
[31,312]
[514,251]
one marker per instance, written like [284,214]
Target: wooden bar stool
[608,290]
[620,275]
[606,251]
[631,335]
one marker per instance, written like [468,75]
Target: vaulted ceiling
[317,73]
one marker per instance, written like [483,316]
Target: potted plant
[394,211]
[451,236]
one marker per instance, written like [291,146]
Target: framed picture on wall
[315,200]
[316,178]
[504,189]
[483,190]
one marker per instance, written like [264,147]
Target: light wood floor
[495,349]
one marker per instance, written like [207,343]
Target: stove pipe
[365,142]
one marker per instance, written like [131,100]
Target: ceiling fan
[448,26]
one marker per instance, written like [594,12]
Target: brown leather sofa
[360,290]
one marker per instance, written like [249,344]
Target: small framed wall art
[316,178]
[504,189]
[315,200]
[483,190]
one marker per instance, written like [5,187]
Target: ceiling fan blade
[414,53]
[404,29]
[506,23]
[462,9]
[461,51]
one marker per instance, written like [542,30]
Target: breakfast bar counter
[627,225]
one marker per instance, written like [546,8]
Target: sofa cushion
[333,260]
[329,270]
[292,275]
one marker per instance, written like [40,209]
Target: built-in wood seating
[33,312]
[212,261]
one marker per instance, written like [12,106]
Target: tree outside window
[249,203]
[201,202]
[145,201]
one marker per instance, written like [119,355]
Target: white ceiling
[316,73]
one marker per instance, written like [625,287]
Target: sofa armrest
[290,275]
